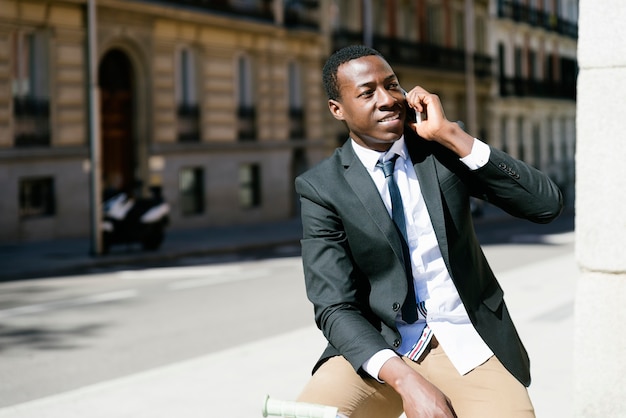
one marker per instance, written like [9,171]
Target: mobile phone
[412,116]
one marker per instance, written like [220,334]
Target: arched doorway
[116,83]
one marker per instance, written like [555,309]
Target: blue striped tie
[409,307]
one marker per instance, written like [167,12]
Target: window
[407,21]
[380,20]
[501,60]
[459,30]
[503,134]
[435,25]
[564,143]
[346,15]
[186,101]
[570,10]
[191,187]
[552,157]
[520,138]
[549,68]
[36,197]
[480,30]
[249,186]
[506,87]
[537,146]
[569,71]
[31,109]
[532,65]
[296,113]
[518,62]
[246,112]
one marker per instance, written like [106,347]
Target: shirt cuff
[479,155]
[375,363]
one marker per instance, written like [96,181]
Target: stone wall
[600,341]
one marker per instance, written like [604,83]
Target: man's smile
[390,118]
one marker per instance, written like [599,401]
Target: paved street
[187,341]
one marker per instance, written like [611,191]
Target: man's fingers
[418,98]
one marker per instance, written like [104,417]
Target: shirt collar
[370,157]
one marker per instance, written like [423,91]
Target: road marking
[171,272]
[69,303]
[225,278]
[554,239]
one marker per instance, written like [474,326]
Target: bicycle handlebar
[290,409]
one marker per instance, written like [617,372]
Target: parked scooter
[130,220]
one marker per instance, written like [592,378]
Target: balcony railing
[302,14]
[522,87]
[538,18]
[418,54]
[297,13]
[32,122]
[261,10]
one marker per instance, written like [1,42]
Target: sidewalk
[67,256]
[233,383]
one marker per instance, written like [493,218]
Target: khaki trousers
[488,391]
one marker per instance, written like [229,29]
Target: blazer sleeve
[338,290]
[519,189]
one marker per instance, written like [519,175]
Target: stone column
[600,316]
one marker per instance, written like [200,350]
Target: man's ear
[335,109]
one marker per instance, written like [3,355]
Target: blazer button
[396,306]
[396,343]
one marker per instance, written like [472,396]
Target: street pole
[94,131]
[470,76]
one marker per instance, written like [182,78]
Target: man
[414,316]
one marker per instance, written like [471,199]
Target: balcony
[522,87]
[32,122]
[259,10]
[537,18]
[302,14]
[422,55]
[298,14]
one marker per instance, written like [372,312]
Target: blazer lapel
[359,179]
[425,168]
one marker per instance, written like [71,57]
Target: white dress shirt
[446,314]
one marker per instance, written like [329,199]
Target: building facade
[426,43]
[219,105]
[533,111]
[204,101]
[505,68]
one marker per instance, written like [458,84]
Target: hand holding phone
[412,116]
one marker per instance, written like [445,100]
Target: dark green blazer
[352,253]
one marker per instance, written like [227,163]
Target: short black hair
[348,53]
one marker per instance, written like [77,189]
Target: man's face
[371,102]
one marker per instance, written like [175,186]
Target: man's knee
[336,384]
